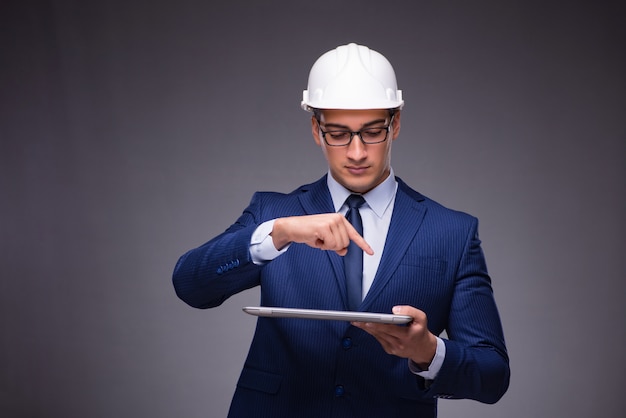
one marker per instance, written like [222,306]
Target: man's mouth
[357,169]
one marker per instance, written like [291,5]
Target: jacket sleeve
[476,365]
[206,276]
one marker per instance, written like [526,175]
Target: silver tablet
[327,315]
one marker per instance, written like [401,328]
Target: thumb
[398,310]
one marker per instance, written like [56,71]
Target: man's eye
[372,133]
[338,134]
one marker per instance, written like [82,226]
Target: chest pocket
[431,264]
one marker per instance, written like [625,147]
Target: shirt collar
[378,199]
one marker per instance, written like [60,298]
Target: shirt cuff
[435,365]
[262,247]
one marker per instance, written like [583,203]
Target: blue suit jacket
[304,368]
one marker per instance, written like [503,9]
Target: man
[420,259]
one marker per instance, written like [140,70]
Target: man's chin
[361,187]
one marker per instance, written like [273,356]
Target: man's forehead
[347,117]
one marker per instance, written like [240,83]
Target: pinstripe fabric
[432,260]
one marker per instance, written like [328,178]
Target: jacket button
[339,391]
[346,343]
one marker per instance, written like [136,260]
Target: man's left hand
[413,341]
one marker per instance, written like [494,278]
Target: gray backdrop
[132,131]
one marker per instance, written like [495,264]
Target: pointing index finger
[359,240]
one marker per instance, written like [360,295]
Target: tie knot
[355,201]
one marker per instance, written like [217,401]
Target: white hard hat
[352,77]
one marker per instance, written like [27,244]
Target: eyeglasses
[341,138]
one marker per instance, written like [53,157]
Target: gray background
[132,131]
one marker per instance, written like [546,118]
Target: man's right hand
[326,231]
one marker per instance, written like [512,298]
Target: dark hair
[318,112]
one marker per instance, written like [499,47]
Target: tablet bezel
[350,316]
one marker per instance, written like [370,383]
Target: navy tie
[353,260]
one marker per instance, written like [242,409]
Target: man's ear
[315,130]
[396,125]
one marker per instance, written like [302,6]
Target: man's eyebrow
[365,125]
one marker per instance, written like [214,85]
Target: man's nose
[356,147]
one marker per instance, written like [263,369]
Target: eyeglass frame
[357,133]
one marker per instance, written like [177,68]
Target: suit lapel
[316,199]
[407,217]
